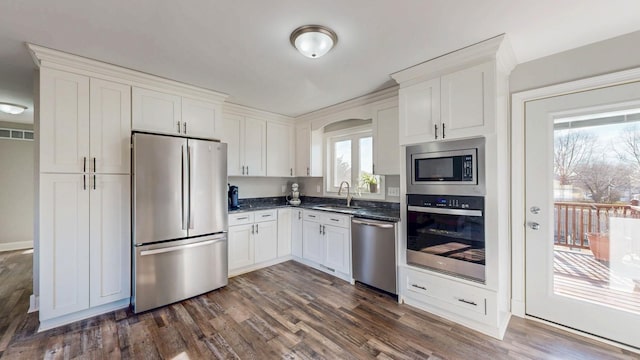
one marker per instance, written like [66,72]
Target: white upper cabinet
[386,149]
[64,122]
[110,126]
[246,140]
[157,112]
[303,151]
[231,127]
[280,149]
[419,112]
[255,147]
[456,105]
[200,118]
[85,124]
[467,101]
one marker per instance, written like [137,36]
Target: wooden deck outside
[580,275]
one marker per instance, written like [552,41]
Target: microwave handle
[445,211]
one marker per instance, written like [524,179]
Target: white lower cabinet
[284,232]
[240,246]
[254,240]
[296,232]
[469,304]
[85,242]
[266,241]
[326,241]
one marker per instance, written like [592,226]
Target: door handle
[534,226]
[299,215]
[242,169]
[178,123]
[320,229]
[184,127]
[435,128]
[535,210]
[257,228]
[189,174]
[307,171]
[247,169]
[179,247]
[443,130]
[94,181]
[94,165]
[84,182]
[84,164]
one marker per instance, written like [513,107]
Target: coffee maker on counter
[233,197]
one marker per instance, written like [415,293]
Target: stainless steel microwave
[446,167]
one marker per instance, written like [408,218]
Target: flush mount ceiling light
[313,41]
[12,109]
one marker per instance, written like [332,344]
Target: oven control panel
[446,201]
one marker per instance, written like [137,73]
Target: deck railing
[574,220]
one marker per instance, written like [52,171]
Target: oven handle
[445,211]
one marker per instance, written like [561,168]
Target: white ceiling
[242,47]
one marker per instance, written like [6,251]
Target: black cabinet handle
[435,127]
[443,130]
[419,287]
[468,302]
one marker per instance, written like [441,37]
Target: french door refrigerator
[179,210]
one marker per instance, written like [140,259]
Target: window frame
[354,134]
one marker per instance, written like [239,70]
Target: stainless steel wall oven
[446,233]
[445,207]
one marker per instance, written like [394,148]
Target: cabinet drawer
[312,215]
[336,220]
[240,218]
[265,215]
[460,298]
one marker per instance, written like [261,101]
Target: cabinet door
[266,241]
[386,149]
[296,233]
[303,151]
[64,244]
[240,246]
[230,130]
[255,147]
[64,122]
[156,111]
[467,107]
[110,239]
[110,114]
[419,112]
[199,118]
[284,232]
[280,150]
[337,248]
[312,242]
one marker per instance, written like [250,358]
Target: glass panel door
[583,218]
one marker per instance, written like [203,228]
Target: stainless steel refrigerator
[179,210]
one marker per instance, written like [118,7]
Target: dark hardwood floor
[287,311]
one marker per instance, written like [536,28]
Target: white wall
[16,191]
[253,187]
[616,54]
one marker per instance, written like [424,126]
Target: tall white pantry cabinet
[84,127]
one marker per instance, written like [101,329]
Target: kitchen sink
[338,208]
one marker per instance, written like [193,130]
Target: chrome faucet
[348,192]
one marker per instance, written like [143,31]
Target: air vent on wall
[16,134]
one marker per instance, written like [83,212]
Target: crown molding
[237,109]
[497,48]
[50,58]
[385,94]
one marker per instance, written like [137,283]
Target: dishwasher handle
[372,223]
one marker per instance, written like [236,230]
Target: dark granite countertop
[375,210]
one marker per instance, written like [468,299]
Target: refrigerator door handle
[184,197]
[179,247]
[189,174]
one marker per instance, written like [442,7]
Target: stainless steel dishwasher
[373,253]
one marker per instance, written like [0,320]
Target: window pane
[366,155]
[342,162]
